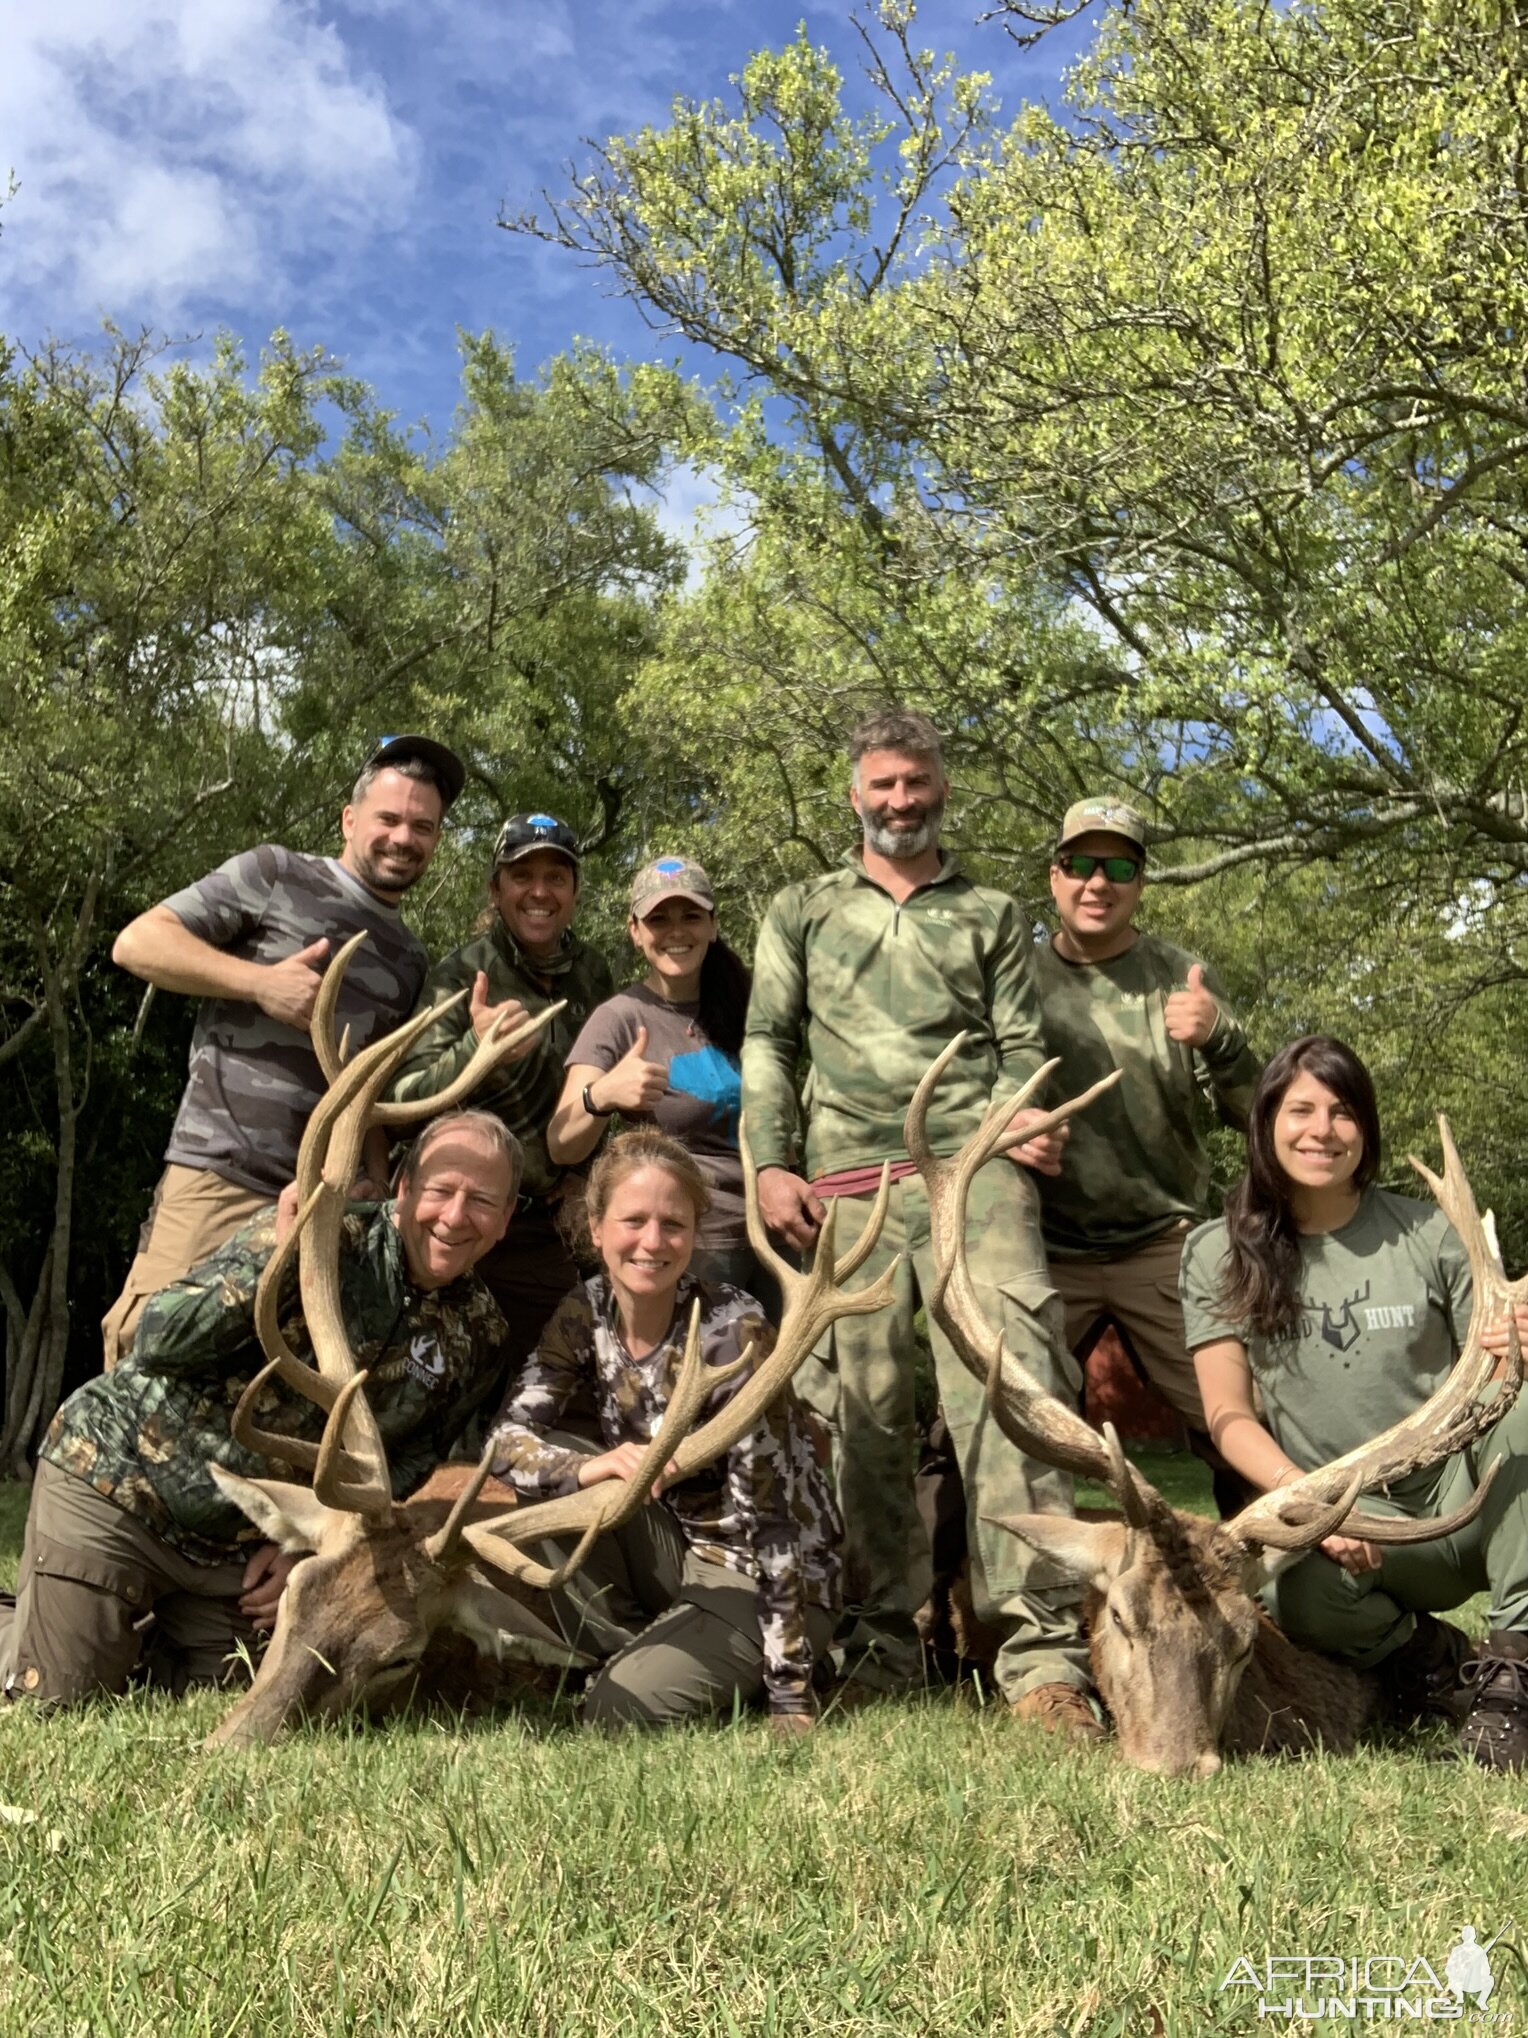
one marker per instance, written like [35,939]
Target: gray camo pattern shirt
[766,1510]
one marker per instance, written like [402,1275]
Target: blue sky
[338,169]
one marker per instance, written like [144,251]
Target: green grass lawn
[916,1868]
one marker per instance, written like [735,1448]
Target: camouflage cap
[523,834]
[670,877]
[1102,814]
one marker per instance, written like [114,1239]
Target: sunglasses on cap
[1119,870]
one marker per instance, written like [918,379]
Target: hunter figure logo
[1469,1970]
[1372,1988]
[426,1361]
[1343,1331]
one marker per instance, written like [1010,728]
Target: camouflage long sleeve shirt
[145,1433]
[525,1093]
[766,1510]
[1136,1163]
[876,990]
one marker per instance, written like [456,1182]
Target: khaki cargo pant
[98,1591]
[1367,1617]
[680,1637]
[192,1213]
[1138,1292]
[863,1386]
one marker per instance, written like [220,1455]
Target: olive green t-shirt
[1385,1307]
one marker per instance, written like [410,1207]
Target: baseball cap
[1101,814]
[522,834]
[670,877]
[446,765]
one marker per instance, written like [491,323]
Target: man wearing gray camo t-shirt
[252,940]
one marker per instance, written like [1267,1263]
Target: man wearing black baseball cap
[252,940]
[529,958]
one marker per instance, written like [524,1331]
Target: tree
[152,518]
[207,618]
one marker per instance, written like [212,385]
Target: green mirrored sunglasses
[1119,870]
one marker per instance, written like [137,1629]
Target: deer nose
[1207,1765]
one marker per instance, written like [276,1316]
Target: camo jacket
[525,1094]
[766,1510]
[876,990]
[144,1434]
[1136,1163]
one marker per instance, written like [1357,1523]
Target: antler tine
[1303,1513]
[496,1045]
[444,1541]
[1034,1421]
[870,1231]
[331,1059]
[352,1459]
[758,1235]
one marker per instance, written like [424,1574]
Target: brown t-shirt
[700,1108]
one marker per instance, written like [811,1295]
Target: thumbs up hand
[634,1084]
[288,988]
[485,1015]
[1192,1012]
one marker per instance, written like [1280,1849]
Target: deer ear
[292,1516]
[1088,1552]
[1264,1564]
[497,1621]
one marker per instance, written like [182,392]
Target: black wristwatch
[590,1108]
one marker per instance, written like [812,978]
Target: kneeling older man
[131,1551]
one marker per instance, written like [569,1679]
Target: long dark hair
[1260,1285]
[725,981]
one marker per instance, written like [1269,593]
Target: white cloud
[176,152]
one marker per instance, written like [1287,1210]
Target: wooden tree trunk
[41,1347]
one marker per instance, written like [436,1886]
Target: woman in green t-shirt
[1320,1310]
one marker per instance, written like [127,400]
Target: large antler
[1293,1517]
[1040,1425]
[349,1464]
[1298,1516]
[813,1301]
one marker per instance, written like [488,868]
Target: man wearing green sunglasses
[1135,1174]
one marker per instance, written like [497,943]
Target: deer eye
[1117,1623]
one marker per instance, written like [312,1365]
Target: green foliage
[1172,442]
[217,589]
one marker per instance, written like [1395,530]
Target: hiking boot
[1496,1732]
[1060,1709]
[1423,1679]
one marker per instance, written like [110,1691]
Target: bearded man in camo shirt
[252,941]
[874,968]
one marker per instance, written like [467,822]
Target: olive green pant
[863,1385]
[100,1596]
[1367,1617]
[680,1637]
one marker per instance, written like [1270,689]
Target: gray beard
[898,843]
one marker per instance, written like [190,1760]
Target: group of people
[528,1264]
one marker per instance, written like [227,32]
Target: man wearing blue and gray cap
[528,958]
[252,940]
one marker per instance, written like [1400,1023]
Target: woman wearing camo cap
[665,1052]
